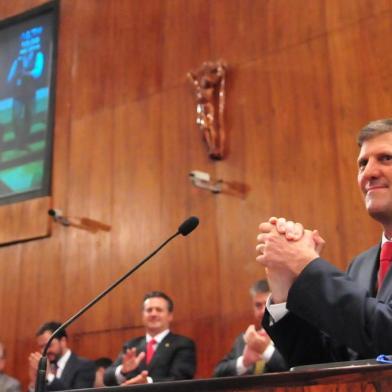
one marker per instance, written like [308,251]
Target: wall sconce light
[203,180]
[83,223]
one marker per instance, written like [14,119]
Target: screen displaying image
[27,53]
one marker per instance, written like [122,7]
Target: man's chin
[380,213]
[154,328]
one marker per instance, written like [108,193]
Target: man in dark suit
[159,355]
[262,357]
[66,370]
[317,313]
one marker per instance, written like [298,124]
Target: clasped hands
[285,248]
[130,362]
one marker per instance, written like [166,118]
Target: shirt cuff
[240,367]
[276,311]
[150,380]
[268,352]
[119,377]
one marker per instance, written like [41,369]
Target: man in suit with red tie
[159,355]
[317,313]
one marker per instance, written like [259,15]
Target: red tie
[385,261]
[150,350]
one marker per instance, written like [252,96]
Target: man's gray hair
[261,286]
[374,128]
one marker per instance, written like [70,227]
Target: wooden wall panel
[25,220]
[243,31]
[8,8]
[303,78]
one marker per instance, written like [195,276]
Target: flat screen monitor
[27,88]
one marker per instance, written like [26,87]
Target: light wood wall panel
[303,77]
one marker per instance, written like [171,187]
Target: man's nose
[371,170]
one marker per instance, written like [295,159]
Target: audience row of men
[159,355]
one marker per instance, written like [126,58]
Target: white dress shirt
[60,367]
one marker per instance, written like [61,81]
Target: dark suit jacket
[174,359]
[227,366]
[78,373]
[335,316]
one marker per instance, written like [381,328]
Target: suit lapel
[141,346]
[385,292]
[67,371]
[367,274]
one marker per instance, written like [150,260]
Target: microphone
[189,225]
[184,229]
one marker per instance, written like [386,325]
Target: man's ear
[63,341]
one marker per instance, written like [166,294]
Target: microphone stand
[40,384]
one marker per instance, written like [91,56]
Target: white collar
[158,338]
[64,359]
[384,239]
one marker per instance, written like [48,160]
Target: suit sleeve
[228,365]
[183,364]
[298,342]
[330,305]
[276,363]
